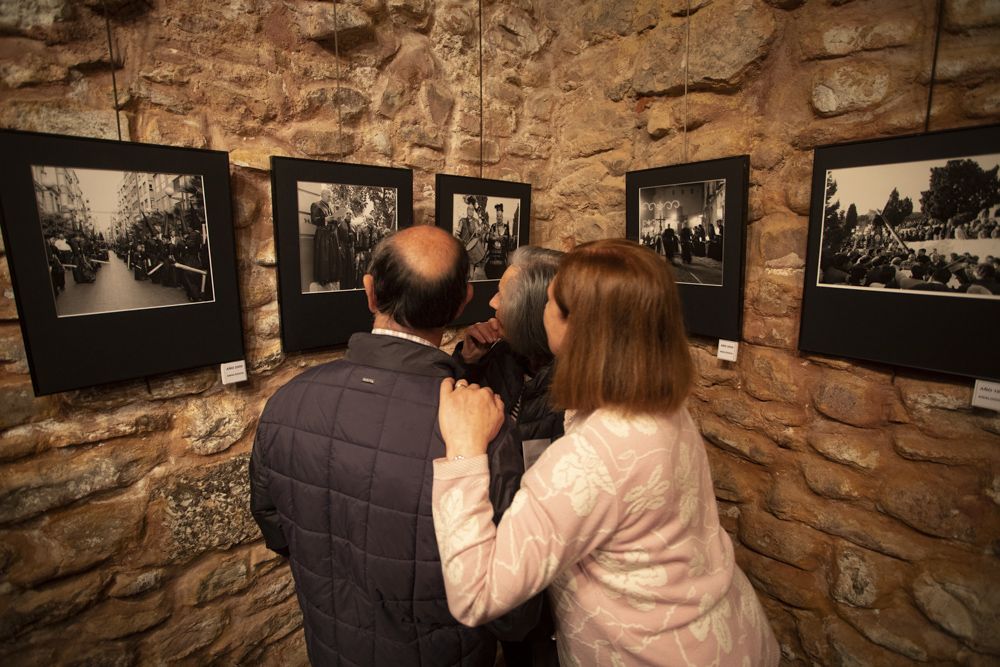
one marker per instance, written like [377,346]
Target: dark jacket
[341,477]
[504,372]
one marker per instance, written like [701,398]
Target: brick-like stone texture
[863,501]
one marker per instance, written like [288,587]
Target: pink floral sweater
[618,521]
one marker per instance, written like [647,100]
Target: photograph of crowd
[339,226]
[684,224]
[123,240]
[931,227]
[488,228]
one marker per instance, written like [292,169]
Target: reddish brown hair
[624,345]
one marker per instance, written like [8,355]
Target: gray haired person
[510,354]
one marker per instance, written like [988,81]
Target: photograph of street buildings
[684,223]
[122,240]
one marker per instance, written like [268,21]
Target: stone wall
[862,498]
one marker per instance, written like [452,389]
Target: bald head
[420,277]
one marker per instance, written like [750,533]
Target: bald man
[341,474]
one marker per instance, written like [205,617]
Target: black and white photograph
[684,223]
[901,263]
[339,226]
[328,218]
[490,218]
[929,227]
[488,228]
[693,215]
[122,258]
[123,240]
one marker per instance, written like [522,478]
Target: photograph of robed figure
[488,229]
[339,226]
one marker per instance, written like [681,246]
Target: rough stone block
[782,235]
[962,15]
[945,505]
[39,485]
[787,541]
[133,420]
[206,508]
[127,584]
[968,58]
[962,599]
[849,399]
[790,585]
[853,87]
[213,578]
[911,444]
[834,481]
[115,619]
[774,375]
[788,500]
[51,604]
[843,38]
[749,445]
[741,35]
[214,424]
[733,479]
[901,629]
[858,448]
[782,332]
[351,27]
[185,635]
[778,291]
[74,540]
[863,578]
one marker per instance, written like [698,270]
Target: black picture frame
[330,314]
[486,195]
[174,202]
[948,332]
[710,273]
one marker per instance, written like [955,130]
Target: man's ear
[369,283]
[468,298]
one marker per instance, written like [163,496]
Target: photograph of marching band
[488,228]
[339,226]
[123,240]
[928,227]
[684,223]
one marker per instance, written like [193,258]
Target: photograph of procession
[339,226]
[123,240]
[488,228]
[927,227]
[684,223]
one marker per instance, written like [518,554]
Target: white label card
[728,350]
[986,395]
[234,371]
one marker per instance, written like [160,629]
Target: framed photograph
[491,219]
[903,264]
[328,217]
[693,215]
[122,258]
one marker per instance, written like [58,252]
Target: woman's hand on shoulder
[469,416]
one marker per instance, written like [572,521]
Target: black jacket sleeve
[506,467]
[261,505]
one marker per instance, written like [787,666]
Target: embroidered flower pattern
[715,621]
[630,575]
[583,475]
[455,531]
[649,496]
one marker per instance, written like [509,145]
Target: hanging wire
[111,59]
[687,68]
[481,124]
[336,56]
[937,43]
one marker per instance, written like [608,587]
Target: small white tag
[234,371]
[986,395]
[728,350]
